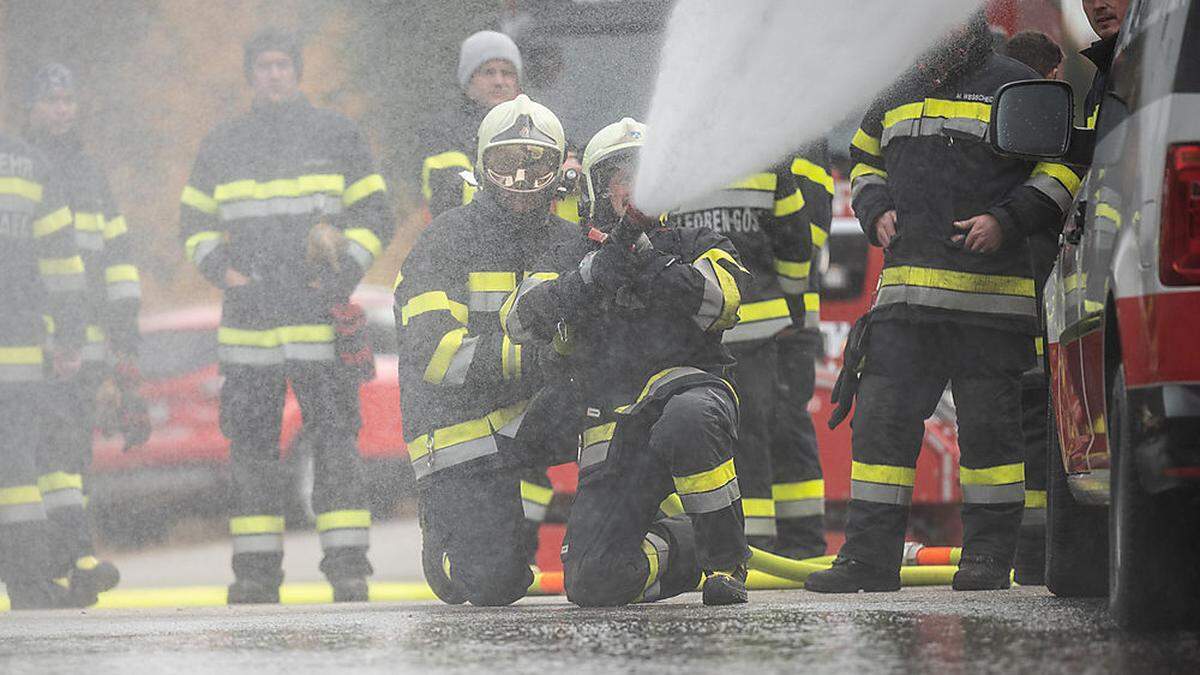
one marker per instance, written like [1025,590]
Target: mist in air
[741,88]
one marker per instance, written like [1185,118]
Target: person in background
[109,370]
[1036,50]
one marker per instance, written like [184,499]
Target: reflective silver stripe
[732,199]
[713,500]
[812,319]
[675,374]
[1056,191]
[714,298]
[881,493]
[460,363]
[800,508]
[17,204]
[593,454]
[204,248]
[585,266]
[984,303]
[486,301]
[512,325]
[534,512]
[281,206]
[123,290]
[510,430]
[22,513]
[654,591]
[89,241]
[309,351]
[792,286]
[935,126]
[756,330]
[994,494]
[258,543]
[21,373]
[863,181]
[361,255]
[454,455]
[63,498]
[1033,516]
[250,356]
[64,283]
[760,526]
[345,537]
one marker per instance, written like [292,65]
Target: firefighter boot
[90,577]
[38,594]
[851,576]
[981,573]
[253,592]
[725,588]
[349,589]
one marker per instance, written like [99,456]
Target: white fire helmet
[521,147]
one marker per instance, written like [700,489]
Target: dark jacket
[922,151]
[1099,53]
[101,233]
[448,149]
[41,272]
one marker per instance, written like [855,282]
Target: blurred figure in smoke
[640,320]
[956,304]
[41,284]
[489,72]
[1036,50]
[110,375]
[465,387]
[285,212]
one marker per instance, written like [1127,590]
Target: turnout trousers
[266,342]
[26,535]
[619,548]
[907,367]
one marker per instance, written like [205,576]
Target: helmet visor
[520,167]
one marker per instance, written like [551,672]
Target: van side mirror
[1033,119]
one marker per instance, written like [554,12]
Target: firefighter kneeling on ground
[640,320]
[464,385]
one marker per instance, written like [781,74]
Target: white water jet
[743,84]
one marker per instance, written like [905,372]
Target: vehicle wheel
[1076,534]
[1154,563]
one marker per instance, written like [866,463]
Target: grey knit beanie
[483,47]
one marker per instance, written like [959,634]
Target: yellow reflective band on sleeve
[283,187]
[819,236]
[789,205]
[805,169]
[705,480]
[510,359]
[21,356]
[1059,173]
[247,338]
[452,159]
[790,492]
[812,302]
[759,181]
[883,473]
[21,188]
[867,143]
[652,561]
[936,107]
[60,266]
[115,228]
[910,111]
[729,288]
[439,363]
[754,507]
[1035,499]
[52,222]
[544,276]
[965,282]
[992,475]
[672,505]
[198,200]
[1039,345]
[861,170]
[196,239]
[337,520]
[432,301]
[240,525]
[491,281]
[1104,210]
[599,434]
[764,310]
[363,188]
[118,273]
[398,281]
[538,494]
[792,270]
[59,480]
[89,222]
[21,494]
[365,238]
[94,333]
[1095,115]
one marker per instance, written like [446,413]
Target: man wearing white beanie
[489,72]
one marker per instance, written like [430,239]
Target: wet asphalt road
[914,631]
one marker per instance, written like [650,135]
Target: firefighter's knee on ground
[602,581]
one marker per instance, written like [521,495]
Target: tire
[1154,563]
[1076,534]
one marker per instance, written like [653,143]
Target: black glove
[853,361]
[608,268]
[134,420]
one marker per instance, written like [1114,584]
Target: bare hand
[325,246]
[234,278]
[885,228]
[983,234]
